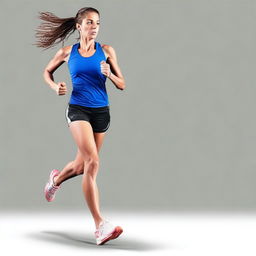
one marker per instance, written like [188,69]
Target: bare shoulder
[109,50]
[65,51]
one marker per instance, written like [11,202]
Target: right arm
[54,63]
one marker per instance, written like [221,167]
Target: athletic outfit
[89,98]
[89,102]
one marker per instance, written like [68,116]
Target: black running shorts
[99,117]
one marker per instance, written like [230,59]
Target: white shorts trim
[66,114]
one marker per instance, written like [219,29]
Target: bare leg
[84,137]
[99,138]
[97,196]
[91,192]
[76,167]
[89,169]
[67,173]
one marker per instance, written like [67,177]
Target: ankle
[97,222]
[55,183]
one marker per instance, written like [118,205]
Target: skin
[89,143]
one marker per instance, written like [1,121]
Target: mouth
[94,32]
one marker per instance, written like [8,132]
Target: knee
[93,164]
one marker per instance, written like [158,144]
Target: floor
[65,232]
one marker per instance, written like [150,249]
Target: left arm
[113,71]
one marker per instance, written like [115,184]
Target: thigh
[79,159]
[99,137]
[84,138]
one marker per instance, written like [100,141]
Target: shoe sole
[116,233]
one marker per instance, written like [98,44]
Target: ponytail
[55,29]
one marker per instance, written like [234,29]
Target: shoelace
[97,233]
[52,189]
[52,185]
[100,229]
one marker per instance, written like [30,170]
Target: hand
[61,88]
[105,68]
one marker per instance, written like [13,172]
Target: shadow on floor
[83,240]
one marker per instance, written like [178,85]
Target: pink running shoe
[106,231]
[50,188]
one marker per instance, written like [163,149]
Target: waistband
[88,108]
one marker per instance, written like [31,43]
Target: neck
[87,44]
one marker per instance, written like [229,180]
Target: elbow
[45,73]
[122,86]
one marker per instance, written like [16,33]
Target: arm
[116,76]
[54,63]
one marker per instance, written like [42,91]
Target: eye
[91,22]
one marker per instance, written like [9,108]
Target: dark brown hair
[55,28]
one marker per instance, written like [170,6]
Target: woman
[87,112]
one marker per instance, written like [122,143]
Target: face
[90,25]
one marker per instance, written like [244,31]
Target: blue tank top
[88,82]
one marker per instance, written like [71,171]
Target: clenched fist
[61,89]
[105,68]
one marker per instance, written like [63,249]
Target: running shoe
[50,189]
[106,231]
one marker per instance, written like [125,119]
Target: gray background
[182,133]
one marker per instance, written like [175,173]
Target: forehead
[92,16]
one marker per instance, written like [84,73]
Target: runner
[88,112]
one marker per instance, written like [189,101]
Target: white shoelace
[52,189]
[102,226]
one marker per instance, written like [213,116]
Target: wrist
[55,87]
[109,74]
